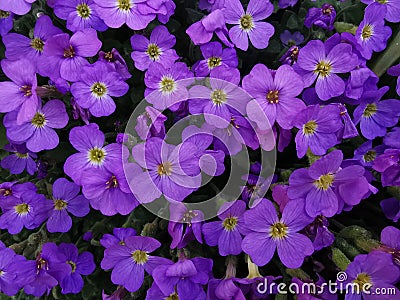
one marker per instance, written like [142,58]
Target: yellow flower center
[39,120]
[37,44]
[324,182]
[164,169]
[370,110]
[273,97]
[327,11]
[369,156]
[22,155]
[214,61]
[167,85]
[112,182]
[323,68]
[230,223]
[41,264]
[218,97]
[83,10]
[109,56]
[173,296]
[246,22]
[27,90]
[153,51]
[140,257]
[310,127]
[4,14]
[278,230]
[73,266]
[382,1]
[99,89]
[124,5]
[367,32]
[6,192]
[60,204]
[22,209]
[361,280]
[69,52]
[96,155]
[188,216]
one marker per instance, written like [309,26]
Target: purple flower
[19,46]
[249,25]
[372,34]
[315,62]
[107,190]
[349,130]
[317,129]
[64,56]
[38,132]
[391,208]
[184,225]
[322,17]
[375,115]
[21,160]
[388,164]
[80,14]
[226,233]
[6,22]
[392,138]
[95,88]
[395,71]
[18,7]
[369,272]
[291,39]
[211,5]
[366,154]
[22,90]
[79,112]
[81,264]
[391,8]
[150,124]
[290,57]
[275,93]
[66,200]
[286,3]
[325,186]
[164,86]
[232,138]
[117,13]
[115,62]
[10,266]
[163,9]
[202,31]
[12,191]
[267,232]
[117,238]
[129,261]
[29,210]
[390,239]
[222,289]
[319,233]
[214,57]
[211,162]
[49,265]
[89,141]
[217,101]
[169,170]
[156,49]
[186,277]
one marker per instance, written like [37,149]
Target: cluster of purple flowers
[321,96]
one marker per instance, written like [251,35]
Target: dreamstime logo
[163,168]
[340,286]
